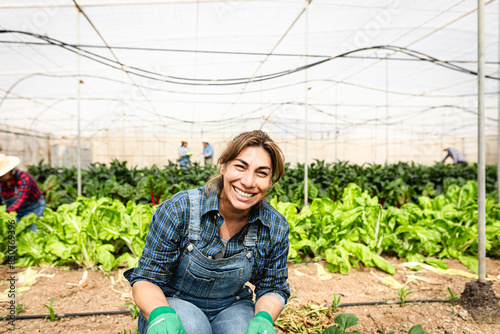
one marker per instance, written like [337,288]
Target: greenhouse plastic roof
[215,65]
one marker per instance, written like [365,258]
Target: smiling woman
[205,244]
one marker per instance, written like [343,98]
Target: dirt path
[312,288]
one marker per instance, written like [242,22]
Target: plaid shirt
[27,190]
[168,234]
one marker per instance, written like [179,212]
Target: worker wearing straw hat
[208,152]
[18,190]
[184,154]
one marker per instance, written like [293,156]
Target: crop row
[355,228]
[392,184]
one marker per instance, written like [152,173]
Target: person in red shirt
[18,190]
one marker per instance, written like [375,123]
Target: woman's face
[246,179]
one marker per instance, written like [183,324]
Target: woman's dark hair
[255,138]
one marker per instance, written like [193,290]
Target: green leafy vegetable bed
[358,229]
[353,229]
[87,232]
[392,184]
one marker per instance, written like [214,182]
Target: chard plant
[336,302]
[402,294]
[342,322]
[134,311]
[136,331]
[52,315]
[453,297]
[417,329]
[20,308]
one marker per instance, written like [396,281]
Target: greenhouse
[367,100]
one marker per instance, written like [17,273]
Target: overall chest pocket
[208,283]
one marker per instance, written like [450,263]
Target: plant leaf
[346,320]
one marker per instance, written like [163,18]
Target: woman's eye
[239,167]
[263,174]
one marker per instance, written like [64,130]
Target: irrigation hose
[385,302]
[397,302]
[62,315]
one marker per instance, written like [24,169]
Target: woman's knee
[193,319]
[235,318]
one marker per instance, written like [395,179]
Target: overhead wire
[346,56]
[114,55]
[236,81]
[421,38]
[411,43]
[446,25]
[420,56]
[297,83]
[298,55]
[261,63]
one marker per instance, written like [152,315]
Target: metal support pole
[481,188]
[306,176]
[78,142]
[123,137]
[386,111]
[498,106]
[336,121]
[142,147]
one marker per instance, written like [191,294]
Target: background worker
[18,190]
[184,155]
[455,154]
[208,152]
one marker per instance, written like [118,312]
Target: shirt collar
[210,202]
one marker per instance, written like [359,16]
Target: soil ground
[308,311]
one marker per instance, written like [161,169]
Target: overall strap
[194,215]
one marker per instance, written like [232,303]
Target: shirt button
[210,256]
[237,297]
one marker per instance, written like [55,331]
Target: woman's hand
[164,320]
[262,322]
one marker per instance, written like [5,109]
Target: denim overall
[27,208]
[210,284]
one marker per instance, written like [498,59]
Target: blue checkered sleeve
[165,238]
[270,270]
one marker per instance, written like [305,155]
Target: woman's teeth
[241,193]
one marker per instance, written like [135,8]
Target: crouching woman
[205,244]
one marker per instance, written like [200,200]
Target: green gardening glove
[164,320]
[261,323]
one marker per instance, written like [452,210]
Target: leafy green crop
[356,229]
[87,232]
[343,321]
[353,229]
[52,316]
[402,294]
[392,184]
[117,181]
